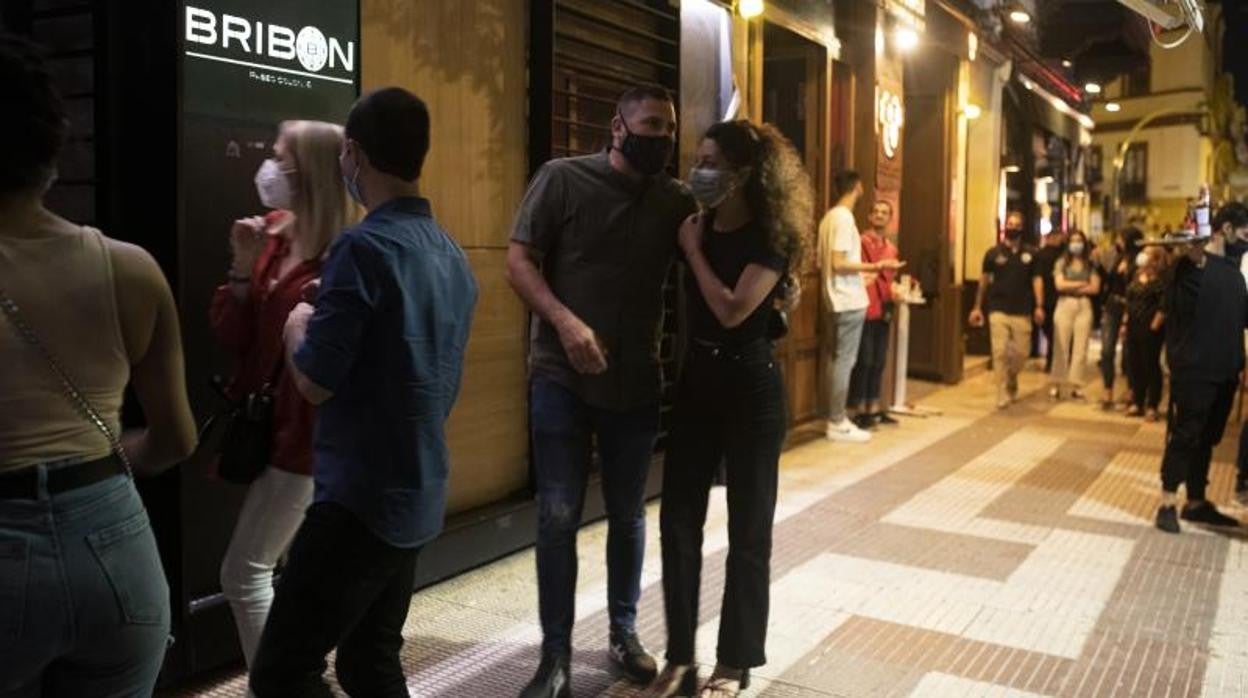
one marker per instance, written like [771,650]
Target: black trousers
[729,406]
[1049,334]
[1241,482]
[1143,358]
[868,373]
[343,587]
[1198,413]
[1111,325]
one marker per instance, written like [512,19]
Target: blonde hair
[320,202]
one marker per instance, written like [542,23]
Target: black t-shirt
[1046,260]
[728,253]
[1012,271]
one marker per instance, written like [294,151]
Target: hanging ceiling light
[1067,64]
[1092,88]
[1113,107]
[1020,16]
[750,9]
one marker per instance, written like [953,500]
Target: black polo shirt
[606,243]
[1010,290]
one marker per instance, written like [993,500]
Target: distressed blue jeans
[563,429]
[84,605]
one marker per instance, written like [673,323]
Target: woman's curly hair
[778,191]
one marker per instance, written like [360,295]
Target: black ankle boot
[553,678]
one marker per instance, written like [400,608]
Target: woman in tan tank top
[84,606]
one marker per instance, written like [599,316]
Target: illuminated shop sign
[890,118]
[269,61]
[251,43]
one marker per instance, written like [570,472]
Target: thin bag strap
[70,391]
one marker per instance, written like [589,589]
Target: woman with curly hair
[730,406]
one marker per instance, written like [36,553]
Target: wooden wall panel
[488,431]
[467,60]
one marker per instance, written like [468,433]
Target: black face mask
[647,154]
[1013,234]
[1236,248]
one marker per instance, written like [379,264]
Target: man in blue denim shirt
[382,355]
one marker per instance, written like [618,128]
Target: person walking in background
[730,403]
[1206,311]
[845,298]
[592,245]
[1117,268]
[274,258]
[868,373]
[1076,282]
[1053,248]
[1012,292]
[81,317]
[1145,325]
[382,356]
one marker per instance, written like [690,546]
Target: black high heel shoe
[717,682]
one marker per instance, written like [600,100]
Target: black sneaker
[632,659]
[865,422]
[553,679]
[886,419]
[1168,519]
[1207,514]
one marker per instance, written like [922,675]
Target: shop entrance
[795,100]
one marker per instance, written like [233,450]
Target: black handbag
[242,434]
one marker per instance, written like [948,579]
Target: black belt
[24,483]
[752,350]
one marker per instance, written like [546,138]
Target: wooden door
[795,99]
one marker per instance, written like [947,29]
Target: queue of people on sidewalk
[349,335]
[1189,301]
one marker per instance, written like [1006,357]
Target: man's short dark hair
[846,181]
[32,116]
[1234,213]
[392,126]
[640,93]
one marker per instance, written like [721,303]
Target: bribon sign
[891,117]
[285,49]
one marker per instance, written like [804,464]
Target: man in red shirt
[864,383]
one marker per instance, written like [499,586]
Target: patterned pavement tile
[976,553]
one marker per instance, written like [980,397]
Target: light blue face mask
[710,187]
[352,184]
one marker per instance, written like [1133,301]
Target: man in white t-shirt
[845,301]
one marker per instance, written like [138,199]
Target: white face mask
[273,185]
[1076,248]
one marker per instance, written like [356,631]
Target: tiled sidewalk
[978,553]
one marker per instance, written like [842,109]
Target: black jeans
[343,587]
[1143,358]
[1198,413]
[1241,481]
[868,373]
[1111,325]
[730,405]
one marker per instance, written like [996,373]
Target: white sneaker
[847,432]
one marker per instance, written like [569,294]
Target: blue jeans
[563,428]
[84,605]
[840,354]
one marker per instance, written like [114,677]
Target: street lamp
[749,9]
[906,39]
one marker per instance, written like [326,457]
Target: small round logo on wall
[312,49]
[891,118]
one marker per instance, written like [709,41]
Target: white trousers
[267,524]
